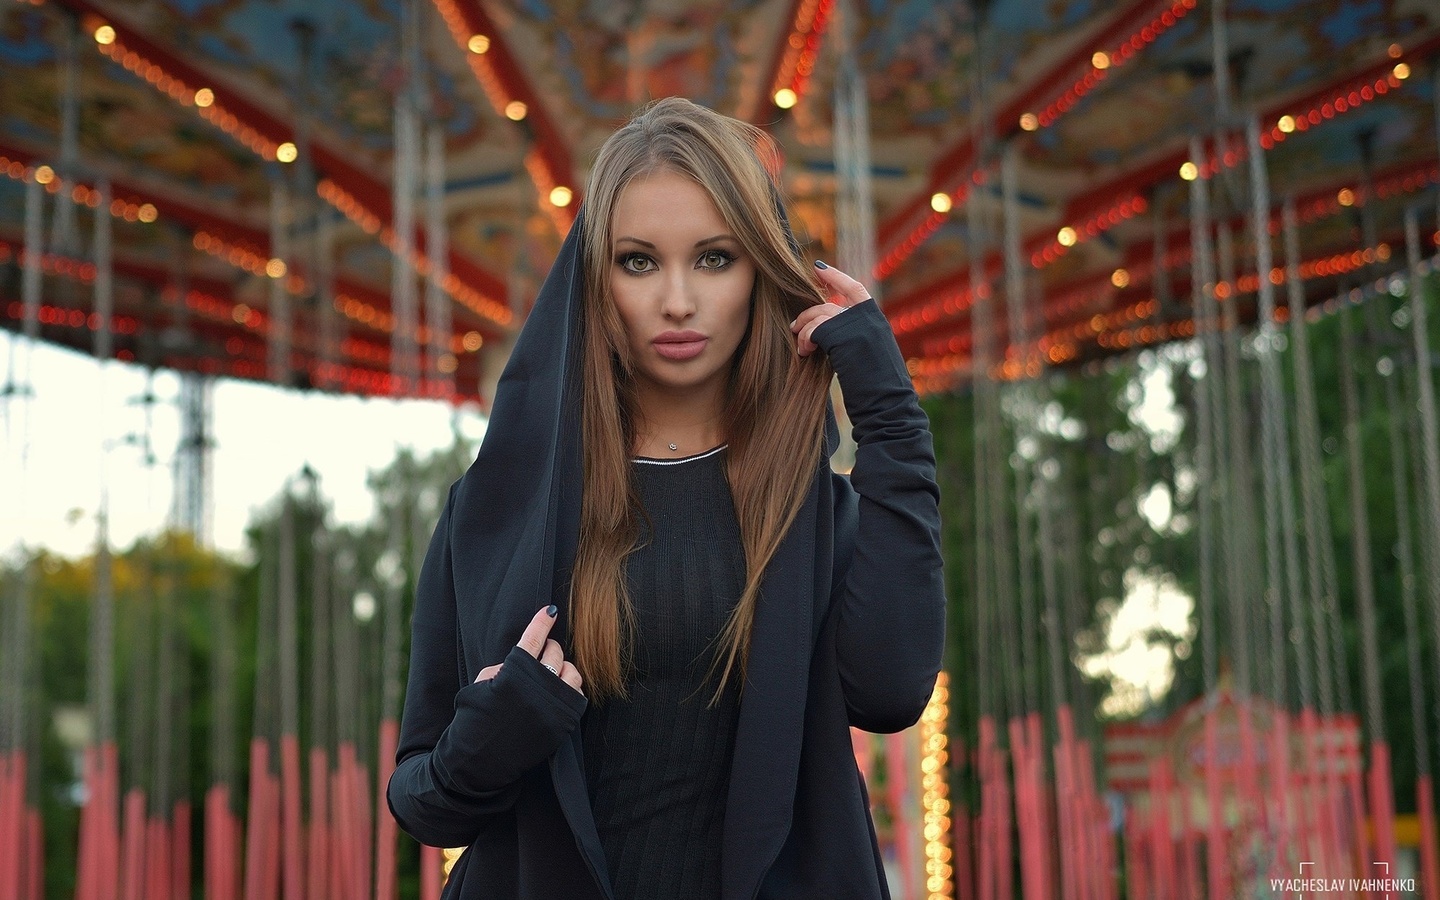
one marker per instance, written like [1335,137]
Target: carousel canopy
[247,153]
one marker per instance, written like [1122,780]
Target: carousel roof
[194,112]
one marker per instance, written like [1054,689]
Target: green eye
[636,263]
[715,259]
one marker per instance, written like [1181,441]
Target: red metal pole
[35,854]
[1277,808]
[157,864]
[108,880]
[293,831]
[180,859]
[986,838]
[962,831]
[1004,857]
[1382,811]
[1429,866]
[274,824]
[1215,866]
[11,811]
[1065,806]
[340,830]
[1033,858]
[432,870]
[133,869]
[386,831]
[319,843]
[255,886]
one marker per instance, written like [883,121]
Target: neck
[691,421]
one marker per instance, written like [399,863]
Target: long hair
[774,412]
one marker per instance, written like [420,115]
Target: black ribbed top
[658,763]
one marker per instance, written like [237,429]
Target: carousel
[1053,201]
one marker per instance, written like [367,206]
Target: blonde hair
[769,465]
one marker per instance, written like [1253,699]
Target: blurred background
[1164,274]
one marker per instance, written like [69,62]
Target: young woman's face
[681,283]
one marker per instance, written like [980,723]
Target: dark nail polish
[820,265]
[551,610]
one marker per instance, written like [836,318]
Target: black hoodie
[849,631]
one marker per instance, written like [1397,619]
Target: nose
[678,301]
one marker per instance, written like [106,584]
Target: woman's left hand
[849,291]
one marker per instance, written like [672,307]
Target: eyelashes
[642,264]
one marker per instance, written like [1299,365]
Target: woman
[715,606]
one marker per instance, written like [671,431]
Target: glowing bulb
[1030,122]
[276,268]
[240,313]
[941,202]
[516,110]
[44,175]
[1395,51]
[204,97]
[286,152]
[785,98]
[560,195]
[1286,124]
[472,341]
[1066,237]
[1189,171]
[1346,197]
[1120,278]
[1101,60]
[148,213]
[1402,71]
[478,43]
[105,35]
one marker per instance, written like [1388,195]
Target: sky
[80,417]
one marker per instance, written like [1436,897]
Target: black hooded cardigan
[849,630]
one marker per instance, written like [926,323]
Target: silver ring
[553,670]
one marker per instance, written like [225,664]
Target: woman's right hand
[535,640]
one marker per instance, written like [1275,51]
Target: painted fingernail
[551,610]
[820,265]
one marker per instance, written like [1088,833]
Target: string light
[204,98]
[1120,278]
[286,152]
[785,98]
[1029,122]
[560,195]
[547,155]
[1352,96]
[800,50]
[1101,61]
[941,202]
[105,34]
[934,761]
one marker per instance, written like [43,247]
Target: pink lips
[680,344]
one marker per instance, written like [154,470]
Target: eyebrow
[709,240]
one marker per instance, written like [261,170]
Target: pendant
[673,447]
